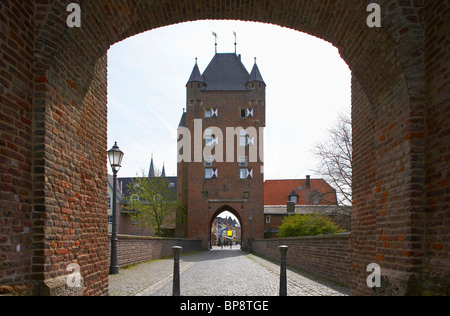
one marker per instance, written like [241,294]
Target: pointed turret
[195,75]
[151,170]
[255,75]
[195,85]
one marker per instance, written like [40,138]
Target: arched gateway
[53,125]
[225,208]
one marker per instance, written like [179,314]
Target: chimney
[308,182]
[290,207]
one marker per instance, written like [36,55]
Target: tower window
[210,140]
[246,112]
[243,138]
[245,173]
[211,112]
[242,161]
[208,161]
[211,173]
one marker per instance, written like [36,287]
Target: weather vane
[215,35]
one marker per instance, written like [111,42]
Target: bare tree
[335,155]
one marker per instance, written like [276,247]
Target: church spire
[151,171]
[163,172]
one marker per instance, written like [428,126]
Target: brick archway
[53,125]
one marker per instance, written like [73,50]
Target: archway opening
[140,88]
[225,229]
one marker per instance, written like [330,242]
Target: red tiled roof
[276,192]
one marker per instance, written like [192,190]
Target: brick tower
[220,147]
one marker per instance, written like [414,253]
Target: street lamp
[250,217]
[115,156]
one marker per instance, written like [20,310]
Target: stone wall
[328,256]
[137,249]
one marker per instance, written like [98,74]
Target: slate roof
[225,72]
[182,120]
[195,75]
[255,75]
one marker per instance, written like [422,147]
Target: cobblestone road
[219,272]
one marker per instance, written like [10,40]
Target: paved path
[219,272]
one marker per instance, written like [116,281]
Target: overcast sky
[308,84]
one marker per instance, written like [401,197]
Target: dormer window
[293,197]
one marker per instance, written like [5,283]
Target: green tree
[151,202]
[307,225]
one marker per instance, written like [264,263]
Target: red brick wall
[17,35]
[437,231]
[137,249]
[325,255]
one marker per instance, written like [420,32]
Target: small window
[208,137]
[246,112]
[208,113]
[316,199]
[242,173]
[242,161]
[243,138]
[294,198]
[267,219]
[208,161]
[245,173]
[211,173]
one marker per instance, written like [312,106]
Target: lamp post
[250,217]
[115,156]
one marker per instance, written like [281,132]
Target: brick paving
[219,272]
